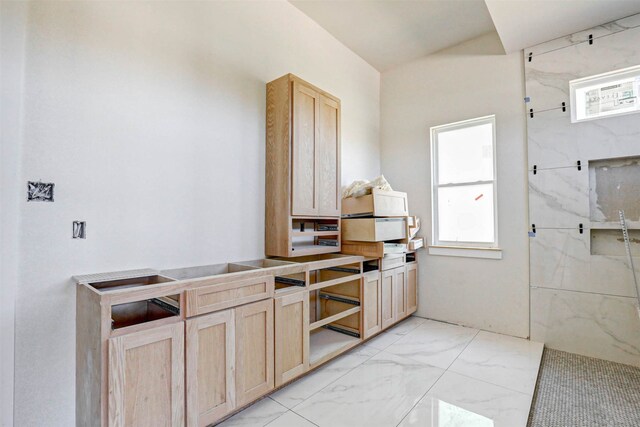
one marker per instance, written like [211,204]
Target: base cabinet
[291,313]
[146,378]
[412,288]
[210,367]
[372,301]
[254,351]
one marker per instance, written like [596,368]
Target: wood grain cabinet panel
[387,298]
[412,288]
[400,292]
[302,192]
[372,302]
[254,351]
[329,196]
[291,336]
[210,367]
[146,378]
[304,180]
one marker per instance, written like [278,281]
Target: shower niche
[614,185]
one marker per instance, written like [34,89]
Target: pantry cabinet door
[291,336]
[372,304]
[210,360]
[304,155]
[146,378]
[254,351]
[329,196]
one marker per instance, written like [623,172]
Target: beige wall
[467,81]
[150,119]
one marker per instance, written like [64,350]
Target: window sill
[466,252]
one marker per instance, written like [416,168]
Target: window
[604,95]
[464,185]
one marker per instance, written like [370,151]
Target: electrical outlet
[79,230]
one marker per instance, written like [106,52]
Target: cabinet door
[146,378]
[329,196]
[291,336]
[304,156]
[254,351]
[412,288]
[210,359]
[372,301]
[400,292]
[388,298]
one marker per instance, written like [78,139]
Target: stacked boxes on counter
[378,227]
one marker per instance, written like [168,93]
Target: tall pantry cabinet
[303,169]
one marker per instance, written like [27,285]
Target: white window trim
[464,249]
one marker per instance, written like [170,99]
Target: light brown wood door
[400,292]
[210,367]
[387,298]
[291,336]
[372,301]
[304,156]
[329,196]
[146,378]
[412,288]
[254,351]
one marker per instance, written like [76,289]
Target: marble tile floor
[418,373]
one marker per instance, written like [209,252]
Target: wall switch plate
[40,191]
[79,230]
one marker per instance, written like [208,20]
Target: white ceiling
[387,33]
[525,23]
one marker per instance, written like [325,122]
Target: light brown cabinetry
[146,378]
[387,298]
[303,200]
[291,336]
[400,293]
[412,288]
[372,301]
[254,351]
[210,367]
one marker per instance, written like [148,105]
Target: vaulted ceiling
[388,33]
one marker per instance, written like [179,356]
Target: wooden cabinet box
[302,167]
[374,229]
[146,377]
[372,304]
[291,336]
[379,203]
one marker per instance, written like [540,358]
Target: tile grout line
[436,381]
[378,351]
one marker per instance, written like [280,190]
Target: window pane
[465,213]
[466,154]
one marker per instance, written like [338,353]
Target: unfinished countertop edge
[84,279]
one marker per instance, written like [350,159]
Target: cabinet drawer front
[379,203]
[392,261]
[374,229]
[225,295]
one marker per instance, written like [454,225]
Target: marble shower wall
[583,299]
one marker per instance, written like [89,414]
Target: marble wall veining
[583,299]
